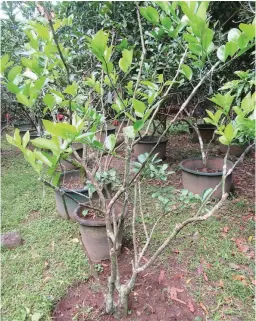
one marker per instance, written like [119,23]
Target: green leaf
[243,41]
[138,124]
[195,48]
[110,142]
[51,144]
[25,139]
[23,99]
[71,89]
[248,29]
[13,88]
[13,73]
[230,49]
[55,179]
[99,44]
[149,84]
[126,61]
[164,5]
[224,140]
[30,74]
[201,12]
[229,132]
[39,83]
[150,14]
[43,158]
[129,131]
[49,100]
[186,70]
[221,53]
[43,32]
[62,130]
[234,34]
[139,107]
[207,38]
[167,23]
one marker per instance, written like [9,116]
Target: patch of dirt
[73,184]
[160,294]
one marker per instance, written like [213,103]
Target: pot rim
[188,170]
[93,223]
[154,141]
[204,126]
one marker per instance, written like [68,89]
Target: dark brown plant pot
[197,181]
[102,136]
[94,235]
[147,143]
[82,197]
[236,150]
[206,131]
[71,205]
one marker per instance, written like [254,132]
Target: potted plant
[199,174]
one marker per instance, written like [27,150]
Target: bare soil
[73,184]
[149,301]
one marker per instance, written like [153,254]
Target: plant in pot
[199,174]
[64,134]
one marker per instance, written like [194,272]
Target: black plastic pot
[147,143]
[197,182]
[71,205]
[94,235]
[80,195]
[206,131]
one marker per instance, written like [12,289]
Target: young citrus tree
[139,102]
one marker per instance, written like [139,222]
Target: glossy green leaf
[13,73]
[110,142]
[129,131]
[71,89]
[206,193]
[138,125]
[25,139]
[248,29]
[221,54]
[230,49]
[201,12]
[13,88]
[207,38]
[43,31]
[195,48]
[62,130]
[139,107]
[243,41]
[164,5]
[23,99]
[150,14]
[49,100]
[167,23]
[126,60]
[186,70]
[99,44]
[234,35]
[51,144]
[30,74]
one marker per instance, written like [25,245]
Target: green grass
[36,274]
[214,247]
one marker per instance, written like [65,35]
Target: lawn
[216,269]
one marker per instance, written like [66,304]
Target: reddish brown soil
[150,300]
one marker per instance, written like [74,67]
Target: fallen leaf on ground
[203,307]
[254,282]
[205,277]
[221,284]
[174,293]
[239,277]
[225,229]
[191,307]
[200,269]
[188,280]
[161,276]
[244,248]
